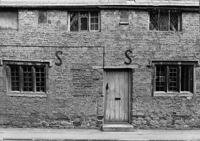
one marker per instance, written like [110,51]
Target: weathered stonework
[75,98]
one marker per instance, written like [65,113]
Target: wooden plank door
[116,90]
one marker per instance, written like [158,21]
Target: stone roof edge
[110,5]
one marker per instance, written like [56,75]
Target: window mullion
[46,78]
[167,79]
[79,21]
[33,78]
[89,21]
[8,71]
[179,21]
[68,20]
[192,78]
[159,19]
[179,79]
[169,20]
[21,77]
[154,78]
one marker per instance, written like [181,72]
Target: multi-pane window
[9,19]
[174,78]
[26,78]
[84,21]
[165,20]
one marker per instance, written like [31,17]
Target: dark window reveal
[165,20]
[42,17]
[174,78]
[84,21]
[31,78]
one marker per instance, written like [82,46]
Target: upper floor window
[165,20]
[84,21]
[42,16]
[124,17]
[9,19]
[174,77]
[26,77]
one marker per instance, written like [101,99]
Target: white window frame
[89,21]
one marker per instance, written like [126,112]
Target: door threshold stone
[114,127]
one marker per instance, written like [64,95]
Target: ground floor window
[174,77]
[26,77]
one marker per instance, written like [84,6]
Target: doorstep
[125,127]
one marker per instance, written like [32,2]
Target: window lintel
[164,62]
[25,62]
[172,94]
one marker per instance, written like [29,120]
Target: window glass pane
[84,23]
[174,20]
[94,21]
[74,21]
[28,78]
[94,15]
[15,81]
[164,20]
[187,78]
[94,27]
[173,79]
[8,20]
[40,78]
[153,20]
[84,20]
[184,78]
[160,78]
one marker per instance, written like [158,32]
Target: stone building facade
[95,65]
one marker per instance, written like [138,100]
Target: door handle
[117,98]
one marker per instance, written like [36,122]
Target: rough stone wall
[74,97]
[150,111]
[73,87]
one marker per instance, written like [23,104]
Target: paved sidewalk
[27,134]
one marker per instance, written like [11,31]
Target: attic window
[165,20]
[84,21]
[124,18]
[8,19]
[42,17]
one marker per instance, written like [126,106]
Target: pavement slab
[33,134]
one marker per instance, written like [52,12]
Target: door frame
[130,74]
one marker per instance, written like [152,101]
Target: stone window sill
[173,94]
[169,31]
[124,23]
[27,94]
